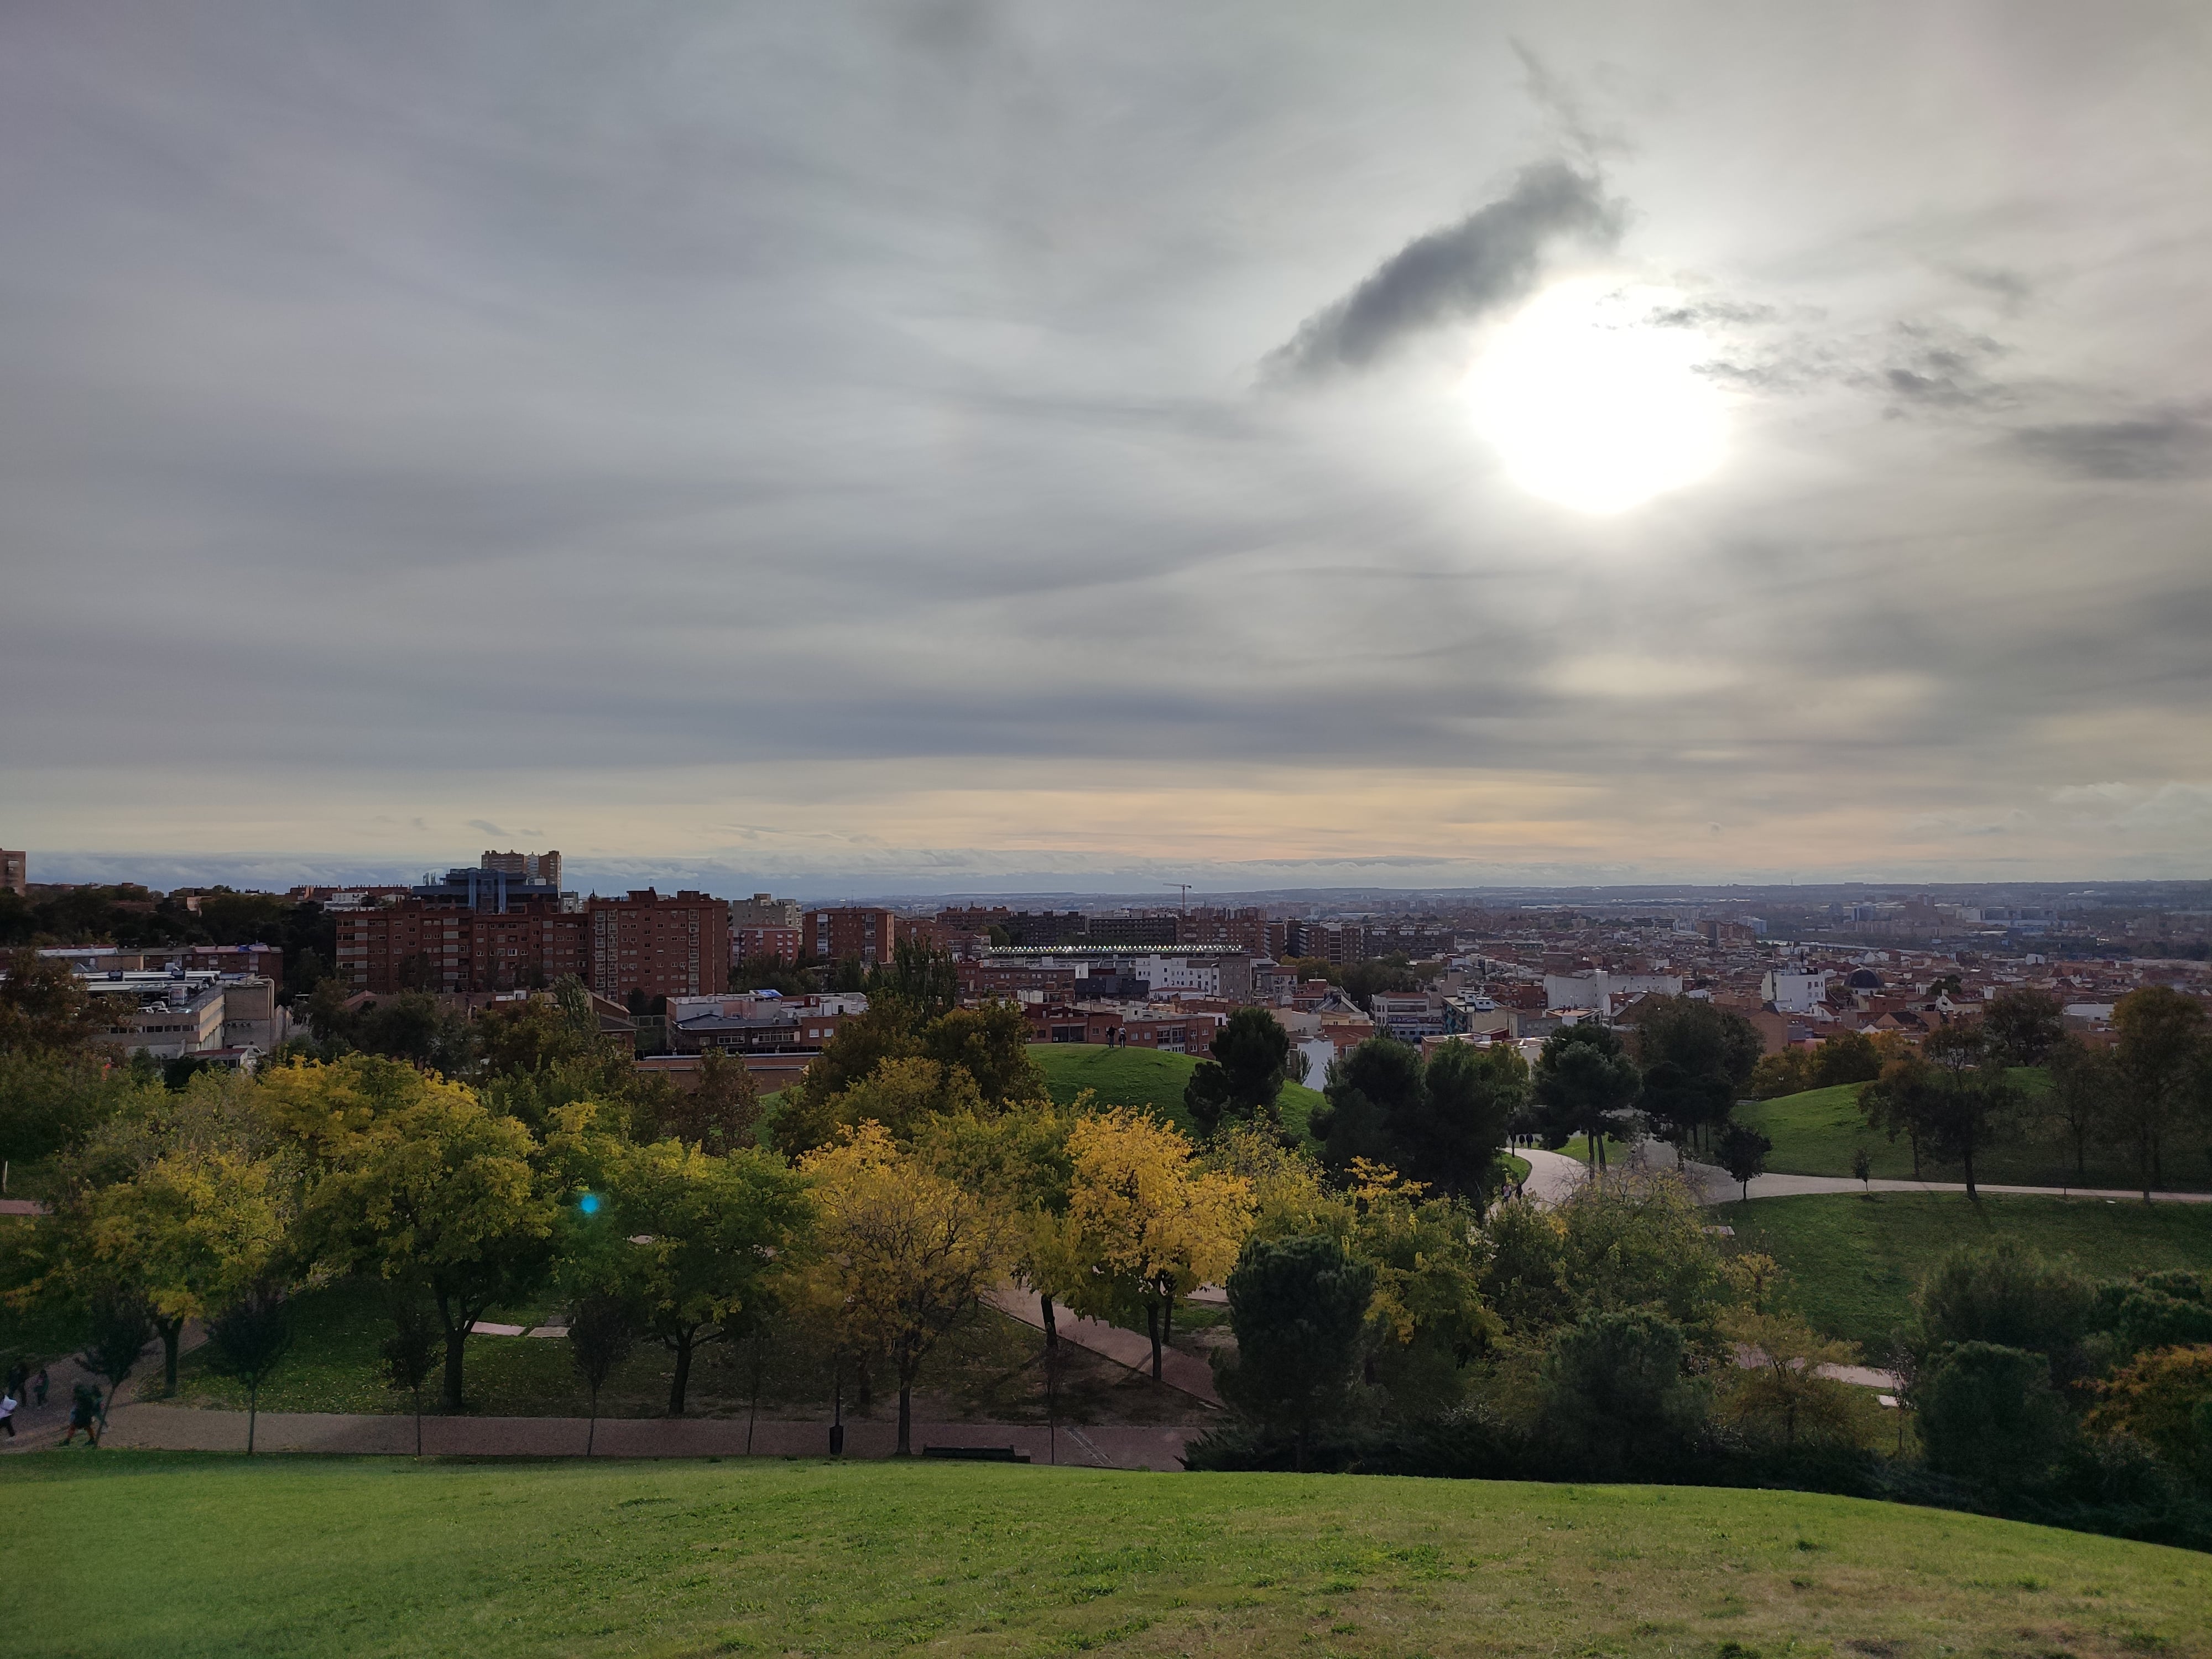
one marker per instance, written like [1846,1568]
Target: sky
[949,446]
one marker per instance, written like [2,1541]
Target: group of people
[84,1402]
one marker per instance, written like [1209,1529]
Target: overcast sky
[943,445]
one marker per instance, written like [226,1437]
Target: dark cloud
[1939,367]
[2148,450]
[1489,259]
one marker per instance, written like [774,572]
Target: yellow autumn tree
[1146,1224]
[900,1252]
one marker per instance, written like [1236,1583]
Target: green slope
[1854,1261]
[1816,1133]
[1143,1077]
[125,1554]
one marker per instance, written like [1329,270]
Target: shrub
[1299,1306]
[1614,1387]
[1988,1415]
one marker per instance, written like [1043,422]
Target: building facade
[656,945]
[855,933]
[15,873]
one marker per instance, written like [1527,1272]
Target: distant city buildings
[854,933]
[16,872]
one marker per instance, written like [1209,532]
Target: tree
[43,1007]
[2021,1025]
[863,1043]
[117,1326]
[1299,1306]
[714,1232]
[1898,1103]
[2004,1293]
[1614,1386]
[1845,1057]
[718,1113]
[1988,1414]
[439,1192]
[2085,1086]
[1244,1081]
[196,1230]
[2164,1400]
[1782,1393]
[1743,1154]
[921,978]
[1862,1170]
[992,1045]
[1020,1156]
[602,1330]
[409,1354]
[1426,1322]
[1584,1082]
[1450,1135]
[413,1026]
[1377,1085]
[2160,1048]
[901,1253]
[1152,1224]
[1788,1073]
[247,1340]
[1971,1102]
[1704,1055]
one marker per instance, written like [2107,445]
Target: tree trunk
[592,1433]
[252,1415]
[682,1380]
[906,1421]
[1966,1158]
[1153,1325]
[457,1338]
[1051,1326]
[418,1422]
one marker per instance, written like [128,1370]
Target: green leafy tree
[992,1045]
[411,1353]
[1299,1308]
[923,980]
[2021,1025]
[1451,1134]
[2085,1084]
[707,1239]
[1614,1387]
[2006,1293]
[1989,1414]
[602,1331]
[117,1326]
[1788,1072]
[439,1192]
[718,1112]
[43,1007]
[1696,1060]
[248,1340]
[1244,1079]
[1379,1084]
[1743,1154]
[2160,1044]
[1845,1057]
[1966,1102]
[1584,1084]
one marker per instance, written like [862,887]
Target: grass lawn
[1855,1262]
[140,1553]
[1816,1133]
[1145,1077]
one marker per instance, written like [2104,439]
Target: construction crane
[1184,887]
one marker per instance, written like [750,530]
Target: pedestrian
[38,1387]
[84,1414]
[8,1403]
[18,1374]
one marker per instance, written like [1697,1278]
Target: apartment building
[15,873]
[416,944]
[854,933]
[658,944]
[761,910]
[751,941]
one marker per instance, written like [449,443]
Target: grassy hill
[1143,1077]
[1855,1262]
[127,1554]
[1816,1133]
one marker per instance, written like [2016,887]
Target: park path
[1185,1373]
[185,1428]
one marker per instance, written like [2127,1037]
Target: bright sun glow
[1594,406]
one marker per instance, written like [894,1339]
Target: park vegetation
[1395,1305]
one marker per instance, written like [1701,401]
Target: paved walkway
[1183,1372]
[1716,1186]
[183,1428]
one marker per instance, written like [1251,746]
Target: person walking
[39,1388]
[8,1404]
[84,1414]
[18,1374]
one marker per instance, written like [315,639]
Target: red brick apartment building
[749,943]
[662,946]
[855,932]
[676,946]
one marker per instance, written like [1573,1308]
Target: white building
[1601,994]
[1795,991]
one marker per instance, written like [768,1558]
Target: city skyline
[964,448]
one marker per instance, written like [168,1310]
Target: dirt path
[1182,1372]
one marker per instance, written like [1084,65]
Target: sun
[1594,402]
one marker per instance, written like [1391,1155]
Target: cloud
[1937,367]
[1488,259]
[2150,449]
